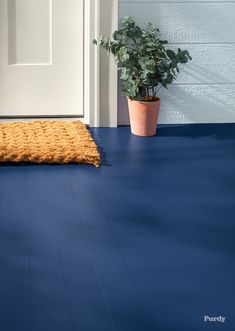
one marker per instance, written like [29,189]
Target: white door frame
[100,72]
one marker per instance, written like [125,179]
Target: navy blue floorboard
[145,242]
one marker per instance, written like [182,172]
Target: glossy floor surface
[144,243]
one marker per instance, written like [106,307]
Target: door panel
[29,31]
[41,57]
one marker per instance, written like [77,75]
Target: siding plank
[173,1]
[192,104]
[211,64]
[187,22]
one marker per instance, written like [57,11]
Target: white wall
[205,90]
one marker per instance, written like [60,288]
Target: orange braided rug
[47,142]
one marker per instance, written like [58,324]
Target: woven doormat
[47,142]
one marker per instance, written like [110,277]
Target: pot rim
[157,99]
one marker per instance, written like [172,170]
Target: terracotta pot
[144,116]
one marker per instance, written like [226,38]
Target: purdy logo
[220,319]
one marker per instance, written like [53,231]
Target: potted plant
[145,66]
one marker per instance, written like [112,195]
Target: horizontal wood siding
[205,89]
[173,1]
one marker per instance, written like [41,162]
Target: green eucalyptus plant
[145,64]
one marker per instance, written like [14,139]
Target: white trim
[100,72]
[91,62]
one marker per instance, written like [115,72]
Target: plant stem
[148,93]
[153,91]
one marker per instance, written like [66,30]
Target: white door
[41,57]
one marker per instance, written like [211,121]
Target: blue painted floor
[144,243]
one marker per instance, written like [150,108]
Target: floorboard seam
[121,250]
[98,276]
